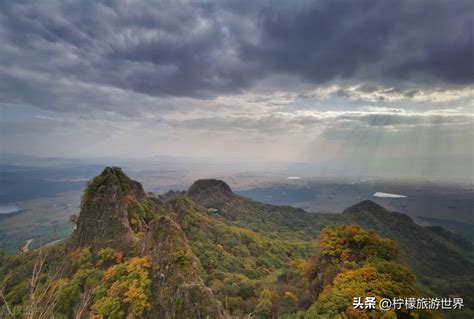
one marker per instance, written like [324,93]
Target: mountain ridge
[208,252]
[117,214]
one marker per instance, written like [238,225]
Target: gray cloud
[367,81]
[203,49]
[377,120]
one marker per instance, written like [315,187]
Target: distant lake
[388,195]
[5,209]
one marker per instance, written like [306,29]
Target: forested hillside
[208,252]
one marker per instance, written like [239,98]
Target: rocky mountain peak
[103,220]
[365,206]
[203,187]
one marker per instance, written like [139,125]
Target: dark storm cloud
[382,40]
[204,49]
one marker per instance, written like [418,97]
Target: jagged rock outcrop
[117,213]
[181,292]
[104,217]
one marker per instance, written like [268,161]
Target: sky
[367,86]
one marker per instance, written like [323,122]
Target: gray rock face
[103,220]
[181,292]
